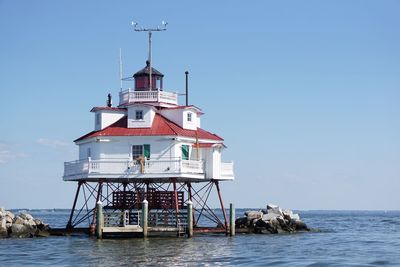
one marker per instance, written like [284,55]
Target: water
[356,238]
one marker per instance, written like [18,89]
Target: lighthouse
[148,150]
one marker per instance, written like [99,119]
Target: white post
[232,220]
[89,164]
[190,218]
[99,220]
[145,205]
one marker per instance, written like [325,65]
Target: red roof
[161,126]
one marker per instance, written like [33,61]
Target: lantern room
[142,78]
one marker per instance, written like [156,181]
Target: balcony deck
[132,96]
[115,170]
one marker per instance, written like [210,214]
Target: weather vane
[150,30]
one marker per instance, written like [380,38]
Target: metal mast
[150,31]
[120,68]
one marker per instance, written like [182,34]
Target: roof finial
[150,30]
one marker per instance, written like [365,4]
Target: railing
[156,218]
[192,166]
[126,168]
[227,170]
[76,167]
[112,219]
[167,218]
[121,218]
[130,96]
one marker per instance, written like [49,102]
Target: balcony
[227,171]
[132,96]
[117,169]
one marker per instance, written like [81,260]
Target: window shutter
[146,151]
[185,152]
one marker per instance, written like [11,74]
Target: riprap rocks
[22,225]
[272,220]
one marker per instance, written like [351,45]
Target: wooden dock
[143,224]
[137,231]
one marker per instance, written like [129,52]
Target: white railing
[131,96]
[114,219]
[76,167]
[227,170]
[122,167]
[192,166]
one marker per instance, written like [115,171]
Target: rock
[265,227]
[9,219]
[274,208]
[30,222]
[37,221]
[20,231]
[301,226]
[2,210]
[251,214]
[241,222]
[23,225]
[9,216]
[3,227]
[18,220]
[3,221]
[272,220]
[26,216]
[42,233]
[288,214]
[270,216]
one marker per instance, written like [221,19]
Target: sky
[305,93]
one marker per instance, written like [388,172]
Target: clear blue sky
[305,93]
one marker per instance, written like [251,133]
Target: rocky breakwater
[22,225]
[272,220]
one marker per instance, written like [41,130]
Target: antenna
[120,68]
[187,88]
[150,31]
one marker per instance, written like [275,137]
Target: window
[98,119]
[137,151]
[139,115]
[158,83]
[185,152]
[89,152]
[189,116]
[141,150]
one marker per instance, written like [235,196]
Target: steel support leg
[222,206]
[99,191]
[69,224]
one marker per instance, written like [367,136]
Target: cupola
[142,79]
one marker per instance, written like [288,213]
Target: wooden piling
[99,220]
[232,220]
[144,221]
[190,218]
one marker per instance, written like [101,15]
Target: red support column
[99,191]
[222,206]
[69,224]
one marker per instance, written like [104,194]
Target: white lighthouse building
[148,136]
[151,148]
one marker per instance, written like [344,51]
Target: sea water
[340,238]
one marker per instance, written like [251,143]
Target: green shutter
[185,152]
[146,151]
